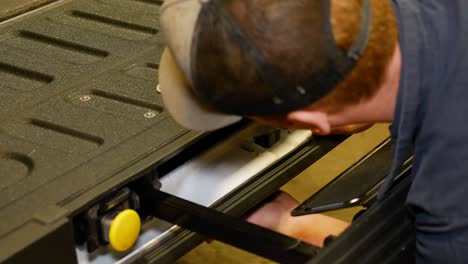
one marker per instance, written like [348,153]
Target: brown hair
[279,28]
[363,82]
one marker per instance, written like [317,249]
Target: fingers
[274,213]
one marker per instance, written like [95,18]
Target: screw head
[158,89]
[85,98]
[149,114]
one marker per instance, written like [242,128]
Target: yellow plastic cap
[124,230]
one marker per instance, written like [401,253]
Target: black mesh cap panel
[248,60]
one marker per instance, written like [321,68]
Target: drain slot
[151,2]
[63,44]
[114,22]
[25,73]
[67,131]
[126,100]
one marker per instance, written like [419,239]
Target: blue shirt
[432,118]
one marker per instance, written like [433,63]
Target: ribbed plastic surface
[79,111]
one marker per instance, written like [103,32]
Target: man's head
[290,37]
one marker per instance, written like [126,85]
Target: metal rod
[222,227]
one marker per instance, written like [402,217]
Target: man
[325,64]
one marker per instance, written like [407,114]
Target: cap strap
[266,71]
[317,85]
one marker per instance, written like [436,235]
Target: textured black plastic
[383,234]
[79,114]
[355,184]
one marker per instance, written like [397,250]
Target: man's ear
[316,120]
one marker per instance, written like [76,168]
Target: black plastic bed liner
[79,111]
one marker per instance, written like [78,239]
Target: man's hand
[314,228]
[275,215]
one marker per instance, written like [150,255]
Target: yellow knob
[124,230]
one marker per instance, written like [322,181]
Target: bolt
[149,114]
[85,98]
[158,89]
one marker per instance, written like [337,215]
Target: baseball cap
[219,64]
